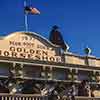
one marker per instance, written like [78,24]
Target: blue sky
[79,21]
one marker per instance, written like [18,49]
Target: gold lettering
[19,49]
[25,51]
[38,52]
[37,57]
[58,59]
[11,42]
[22,55]
[12,49]
[14,54]
[45,58]
[6,53]
[32,51]
[30,56]
[52,59]
[29,53]
[15,43]
[44,53]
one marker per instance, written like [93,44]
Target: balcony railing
[39,97]
[82,98]
[22,97]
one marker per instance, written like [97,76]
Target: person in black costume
[83,88]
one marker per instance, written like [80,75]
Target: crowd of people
[54,90]
[58,91]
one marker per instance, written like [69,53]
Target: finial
[55,27]
[87,51]
[66,48]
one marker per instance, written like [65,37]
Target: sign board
[28,46]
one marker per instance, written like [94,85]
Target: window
[4,68]
[32,71]
[83,75]
[59,74]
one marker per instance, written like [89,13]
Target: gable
[29,46]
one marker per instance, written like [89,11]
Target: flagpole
[26,22]
[25,18]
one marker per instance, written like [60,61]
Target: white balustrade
[22,97]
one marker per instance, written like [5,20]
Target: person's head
[84,82]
